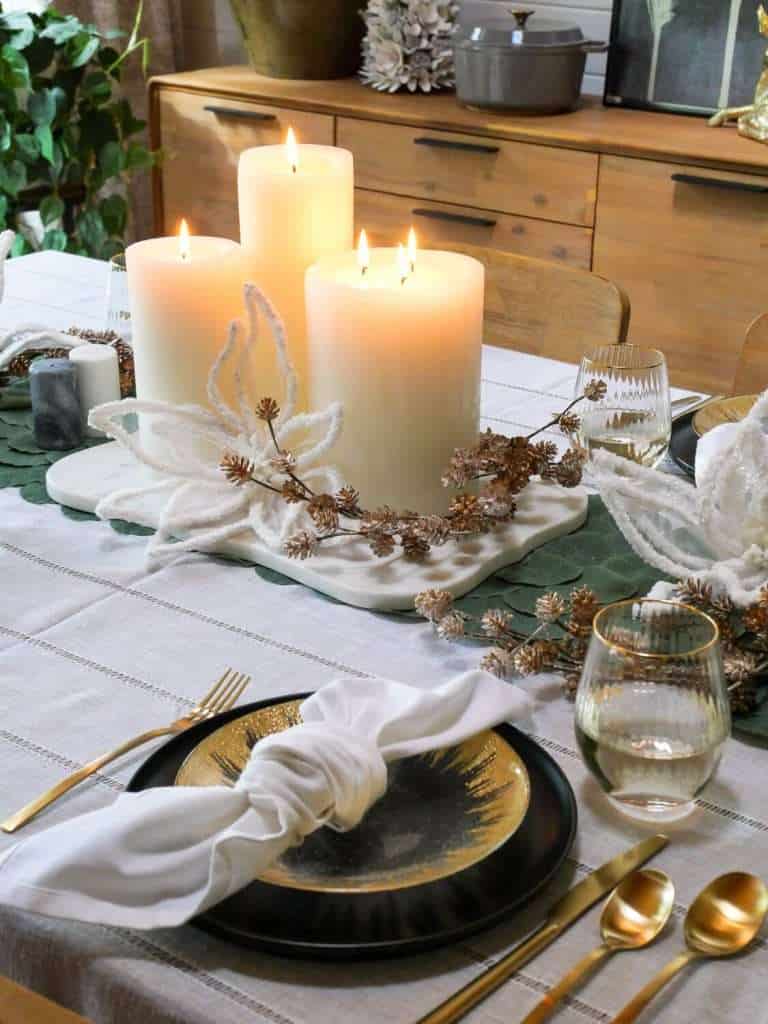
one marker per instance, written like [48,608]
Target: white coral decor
[408,44]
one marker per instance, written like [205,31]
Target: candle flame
[412,249]
[292,150]
[363,253]
[184,247]
[403,266]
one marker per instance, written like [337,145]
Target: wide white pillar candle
[98,379]
[296,206]
[401,351]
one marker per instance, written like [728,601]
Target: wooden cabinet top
[594,128]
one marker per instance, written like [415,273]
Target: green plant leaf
[111,160]
[13,177]
[20,246]
[81,48]
[6,134]
[96,87]
[44,137]
[41,106]
[96,129]
[129,124]
[17,21]
[61,29]
[39,53]
[55,239]
[27,147]
[138,158]
[91,229]
[51,209]
[3,210]
[14,70]
[114,213]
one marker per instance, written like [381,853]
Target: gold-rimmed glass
[634,418]
[652,709]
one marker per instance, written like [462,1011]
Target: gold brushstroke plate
[442,811]
[724,410]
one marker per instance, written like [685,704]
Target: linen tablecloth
[93,649]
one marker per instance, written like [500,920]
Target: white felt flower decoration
[200,508]
[716,532]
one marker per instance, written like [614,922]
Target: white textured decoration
[716,532]
[184,495]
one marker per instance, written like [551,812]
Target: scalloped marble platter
[349,572]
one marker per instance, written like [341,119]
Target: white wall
[211,36]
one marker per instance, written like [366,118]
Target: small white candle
[296,206]
[98,379]
[397,340]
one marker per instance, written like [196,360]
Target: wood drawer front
[387,218]
[202,146]
[512,177]
[691,257]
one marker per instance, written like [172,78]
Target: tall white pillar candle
[98,379]
[401,351]
[296,206]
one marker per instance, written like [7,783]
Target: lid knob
[521,17]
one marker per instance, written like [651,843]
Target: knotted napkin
[159,857]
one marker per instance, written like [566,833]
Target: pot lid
[521,27]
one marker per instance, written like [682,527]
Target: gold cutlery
[567,910]
[722,920]
[633,917]
[221,697]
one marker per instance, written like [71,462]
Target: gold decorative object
[478,794]
[221,697]
[722,921]
[567,910]
[752,120]
[726,410]
[633,917]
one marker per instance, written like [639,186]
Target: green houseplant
[68,139]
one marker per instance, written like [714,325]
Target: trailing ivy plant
[68,139]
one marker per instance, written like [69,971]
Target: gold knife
[567,910]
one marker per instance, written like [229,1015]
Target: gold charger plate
[724,410]
[442,811]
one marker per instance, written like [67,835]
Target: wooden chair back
[20,1006]
[549,309]
[752,368]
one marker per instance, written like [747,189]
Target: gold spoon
[635,913]
[722,920]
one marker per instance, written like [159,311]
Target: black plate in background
[682,444]
[334,926]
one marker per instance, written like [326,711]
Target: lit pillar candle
[296,206]
[184,293]
[396,338]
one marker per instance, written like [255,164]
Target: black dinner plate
[682,444]
[344,926]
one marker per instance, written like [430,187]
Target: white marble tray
[349,572]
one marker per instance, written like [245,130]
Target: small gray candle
[55,404]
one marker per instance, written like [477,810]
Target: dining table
[95,647]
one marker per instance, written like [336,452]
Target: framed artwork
[684,56]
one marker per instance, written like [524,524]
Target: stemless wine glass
[118,307]
[634,418]
[652,709]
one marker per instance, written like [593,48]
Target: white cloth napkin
[156,858]
[710,444]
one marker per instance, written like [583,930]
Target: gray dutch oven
[516,64]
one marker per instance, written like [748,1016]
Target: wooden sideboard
[672,210]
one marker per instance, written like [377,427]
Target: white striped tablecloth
[94,649]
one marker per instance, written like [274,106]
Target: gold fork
[221,697]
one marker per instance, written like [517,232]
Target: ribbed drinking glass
[634,418]
[652,709]
[117,313]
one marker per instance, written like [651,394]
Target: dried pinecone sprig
[595,390]
[504,464]
[237,468]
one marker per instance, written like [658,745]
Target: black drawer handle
[240,114]
[454,218]
[466,147]
[734,186]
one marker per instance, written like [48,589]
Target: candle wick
[403,279]
[293,168]
[413,266]
[363,271]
